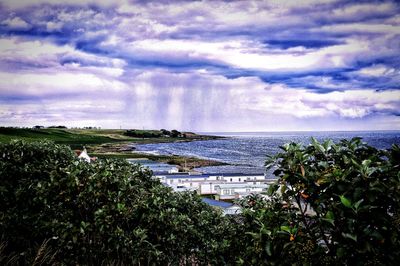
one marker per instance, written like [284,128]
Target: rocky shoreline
[126,150]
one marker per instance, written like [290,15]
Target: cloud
[42,57]
[201,64]
[378,71]
[278,99]
[198,101]
[15,23]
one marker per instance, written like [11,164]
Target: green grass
[60,136]
[87,136]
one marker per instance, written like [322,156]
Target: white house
[84,156]
[237,190]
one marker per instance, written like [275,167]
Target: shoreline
[115,143]
[126,150]
[184,163]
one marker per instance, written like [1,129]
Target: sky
[201,65]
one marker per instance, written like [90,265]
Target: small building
[83,155]
[236,191]
[173,170]
[227,208]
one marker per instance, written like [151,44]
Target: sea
[246,152]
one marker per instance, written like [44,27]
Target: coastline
[113,143]
[126,150]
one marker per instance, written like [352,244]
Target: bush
[142,134]
[333,204]
[108,211]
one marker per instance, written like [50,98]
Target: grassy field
[84,136]
[61,136]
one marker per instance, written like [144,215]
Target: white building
[237,178]
[84,156]
[226,207]
[237,190]
[210,184]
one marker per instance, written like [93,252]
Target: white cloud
[378,71]
[302,103]
[59,81]
[360,9]
[42,84]
[24,3]
[16,23]
[33,49]
[51,55]
[361,28]
[53,26]
[197,101]
[250,55]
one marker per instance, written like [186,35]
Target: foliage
[143,133]
[173,133]
[108,211]
[334,204]
[154,133]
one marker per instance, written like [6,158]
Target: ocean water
[246,152]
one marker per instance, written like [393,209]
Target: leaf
[345,201]
[366,163]
[268,248]
[303,172]
[330,215]
[283,189]
[330,218]
[357,204]
[328,144]
[350,236]
[285,228]
[340,252]
[332,222]
[317,145]
[272,189]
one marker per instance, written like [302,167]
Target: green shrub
[108,211]
[334,204]
[143,133]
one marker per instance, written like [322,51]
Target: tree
[175,133]
[165,132]
[333,204]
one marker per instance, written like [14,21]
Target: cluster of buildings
[218,189]
[220,186]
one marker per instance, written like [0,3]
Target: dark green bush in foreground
[333,204]
[103,212]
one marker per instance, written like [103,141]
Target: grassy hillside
[57,135]
[100,140]
[90,136]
